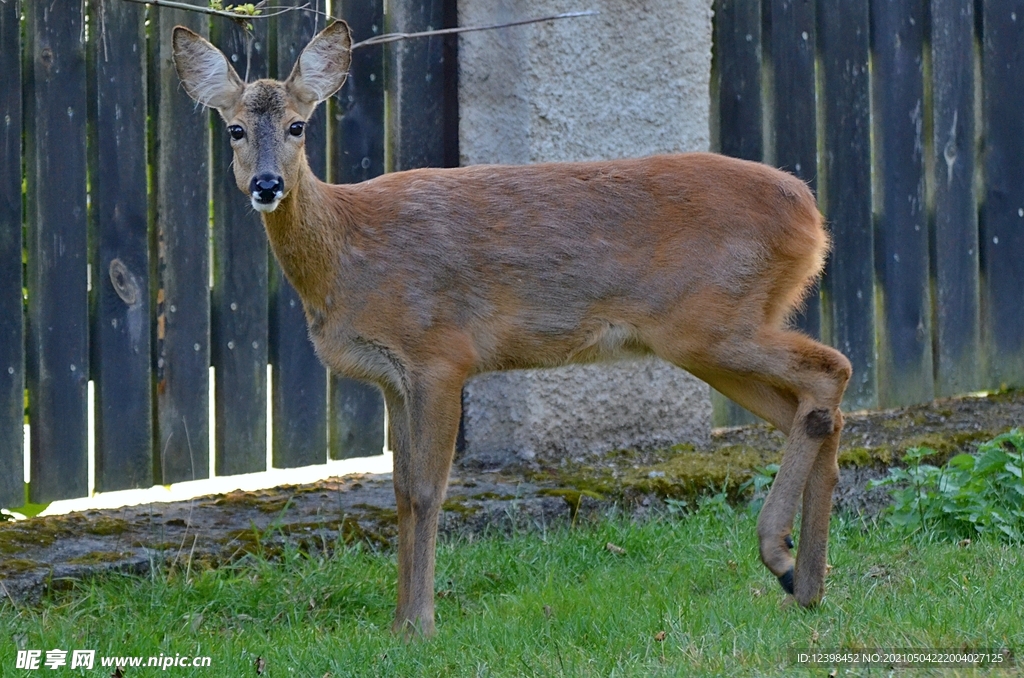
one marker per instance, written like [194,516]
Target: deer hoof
[789,543]
[786,581]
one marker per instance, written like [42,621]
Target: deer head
[266,119]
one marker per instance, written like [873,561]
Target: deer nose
[267,188]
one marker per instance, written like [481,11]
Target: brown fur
[417,280]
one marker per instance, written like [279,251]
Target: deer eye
[236,132]
[295,129]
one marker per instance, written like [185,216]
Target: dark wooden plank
[121,346]
[181,213]
[955,271]
[738,57]
[240,296]
[1002,241]
[794,111]
[845,190]
[738,62]
[299,391]
[58,311]
[358,109]
[416,87]
[905,375]
[12,317]
[357,154]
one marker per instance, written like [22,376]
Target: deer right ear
[323,65]
[204,71]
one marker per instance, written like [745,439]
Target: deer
[415,281]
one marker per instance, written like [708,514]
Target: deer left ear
[204,71]
[323,66]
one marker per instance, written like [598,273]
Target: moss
[946,444]
[13,566]
[158,545]
[863,456]
[105,526]
[485,496]
[98,558]
[33,533]
[379,514]
[274,505]
[572,497]
[457,504]
[238,499]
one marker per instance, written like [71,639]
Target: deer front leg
[423,456]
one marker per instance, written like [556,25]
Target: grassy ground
[688,597]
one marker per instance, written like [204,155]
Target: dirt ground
[48,553]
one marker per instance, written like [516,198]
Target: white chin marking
[265,206]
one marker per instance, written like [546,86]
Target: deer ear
[204,71]
[323,66]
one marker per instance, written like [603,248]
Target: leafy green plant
[759,484]
[971,495]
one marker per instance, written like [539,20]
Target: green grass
[554,603]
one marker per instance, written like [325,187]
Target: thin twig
[375,40]
[393,37]
[171,4]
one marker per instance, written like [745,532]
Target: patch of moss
[572,497]
[380,515]
[12,566]
[864,456]
[98,558]
[274,505]
[457,504]
[157,546]
[33,533]
[106,526]
[484,496]
[238,499]
[945,444]
[688,474]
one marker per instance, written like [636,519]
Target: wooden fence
[905,116]
[131,260]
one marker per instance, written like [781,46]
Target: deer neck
[306,232]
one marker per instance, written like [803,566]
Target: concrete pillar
[631,81]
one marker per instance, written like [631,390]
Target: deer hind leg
[424,444]
[796,384]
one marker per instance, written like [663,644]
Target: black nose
[266,187]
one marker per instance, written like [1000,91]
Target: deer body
[416,280]
[542,265]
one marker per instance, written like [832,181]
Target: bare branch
[171,4]
[369,42]
[394,37]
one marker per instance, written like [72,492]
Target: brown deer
[416,280]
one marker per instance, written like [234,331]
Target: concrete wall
[630,82]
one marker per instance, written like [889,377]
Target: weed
[969,495]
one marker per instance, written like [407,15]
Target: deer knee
[818,423]
[821,422]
